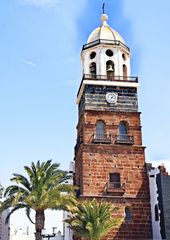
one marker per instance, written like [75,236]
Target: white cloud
[28,62]
[67,12]
[41,3]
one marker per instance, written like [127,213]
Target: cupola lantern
[105,45]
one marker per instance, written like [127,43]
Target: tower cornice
[118,81]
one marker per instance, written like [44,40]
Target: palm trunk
[39,224]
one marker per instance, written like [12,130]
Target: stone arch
[128,214]
[123,128]
[100,129]
[110,69]
[92,69]
[124,71]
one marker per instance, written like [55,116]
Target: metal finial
[103,7]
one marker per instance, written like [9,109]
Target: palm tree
[42,189]
[1,190]
[92,220]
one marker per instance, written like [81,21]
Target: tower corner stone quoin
[109,154]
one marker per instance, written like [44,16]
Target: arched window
[128,215]
[100,130]
[123,132]
[156,213]
[93,69]
[110,69]
[114,179]
[124,71]
[122,128]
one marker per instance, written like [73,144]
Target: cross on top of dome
[103,7]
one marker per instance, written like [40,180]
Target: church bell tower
[109,155]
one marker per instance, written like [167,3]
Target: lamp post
[49,236]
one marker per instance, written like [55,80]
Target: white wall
[54,238]
[5,227]
[18,234]
[67,232]
[22,237]
[154,201]
[101,59]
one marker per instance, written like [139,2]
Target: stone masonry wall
[95,161]
[87,124]
[138,228]
[99,162]
[94,98]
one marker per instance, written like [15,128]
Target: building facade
[67,231]
[109,155]
[4,227]
[159,182]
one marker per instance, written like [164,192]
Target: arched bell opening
[93,70]
[110,69]
[124,71]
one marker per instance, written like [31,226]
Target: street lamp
[49,236]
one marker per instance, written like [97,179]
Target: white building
[54,236]
[159,183]
[67,232]
[19,234]
[4,228]
[154,203]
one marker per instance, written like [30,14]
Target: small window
[123,132]
[100,130]
[128,215]
[92,55]
[152,176]
[109,53]
[124,56]
[114,179]
[156,213]
[122,128]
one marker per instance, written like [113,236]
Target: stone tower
[109,155]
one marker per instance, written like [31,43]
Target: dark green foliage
[42,189]
[92,220]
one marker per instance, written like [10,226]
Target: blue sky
[40,72]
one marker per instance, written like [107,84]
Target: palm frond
[20,179]
[18,206]
[7,203]
[92,219]
[28,211]
[42,188]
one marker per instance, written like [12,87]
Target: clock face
[111,97]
